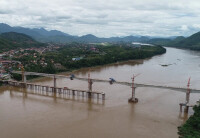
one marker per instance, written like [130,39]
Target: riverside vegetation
[69,56]
[191,129]
[79,55]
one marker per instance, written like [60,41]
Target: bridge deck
[107,81]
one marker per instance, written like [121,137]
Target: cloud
[184,27]
[105,18]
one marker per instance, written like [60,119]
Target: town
[55,58]
[8,62]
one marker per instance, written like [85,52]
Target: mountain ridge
[42,35]
[192,42]
[13,40]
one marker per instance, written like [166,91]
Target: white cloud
[105,18]
[184,27]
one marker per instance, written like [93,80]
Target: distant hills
[38,34]
[43,35]
[192,42]
[13,40]
[17,37]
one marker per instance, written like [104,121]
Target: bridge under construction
[91,93]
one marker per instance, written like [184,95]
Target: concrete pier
[59,90]
[186,105]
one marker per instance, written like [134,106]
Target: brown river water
[156,115]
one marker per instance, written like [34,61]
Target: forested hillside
[192,42]
[14,40]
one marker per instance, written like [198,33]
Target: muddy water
[156,115]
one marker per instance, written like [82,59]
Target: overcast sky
[105,18]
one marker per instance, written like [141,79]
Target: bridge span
[57,76]
[90,81]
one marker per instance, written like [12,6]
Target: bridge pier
[47,88]
[24,78]
[103,96]
[59,90]
[54,82]
[89,95]
[186,105]
[89,86]
[133,99]
[187,99]
[40,89]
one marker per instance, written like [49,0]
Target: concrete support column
[187,96]
[186,109]
[73,92]
[133,99]
[24,78]
[54,80]
[103,96]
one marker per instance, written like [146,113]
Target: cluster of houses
[6,66]
[40,50]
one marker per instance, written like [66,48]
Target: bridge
[181,89]
[90,81]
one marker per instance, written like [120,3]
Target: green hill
[17,37]
[192,42]
[12,40]
[5,45]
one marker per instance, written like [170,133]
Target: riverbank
[191,129]
[130,62]
[108,59]
[93,68]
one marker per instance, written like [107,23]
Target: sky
[105,18]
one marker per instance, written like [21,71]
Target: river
[155,115]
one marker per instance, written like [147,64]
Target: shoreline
[71,71]
[134,61]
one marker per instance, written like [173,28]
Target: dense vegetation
[89,55]
[192,42]
[12,40]
[191,129]
[108,54]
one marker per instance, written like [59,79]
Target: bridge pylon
[23,75]
[187,99]
[133,99]
[89,86]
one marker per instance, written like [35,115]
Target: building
[76,59]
